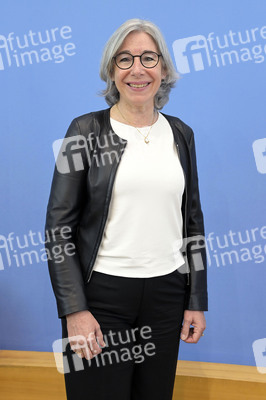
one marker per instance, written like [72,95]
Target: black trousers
[140,319]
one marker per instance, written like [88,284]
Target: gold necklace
[145,136]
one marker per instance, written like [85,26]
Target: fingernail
[183,336]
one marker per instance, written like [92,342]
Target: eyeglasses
[149,59]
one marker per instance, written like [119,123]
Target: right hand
[83,330]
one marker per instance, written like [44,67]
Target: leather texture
[79,200]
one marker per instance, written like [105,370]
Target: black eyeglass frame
[133,59]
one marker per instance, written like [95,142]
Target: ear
[112,77]
[164,73]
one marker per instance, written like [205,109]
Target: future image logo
[197,53]
[71,154]
[28,249]
[259,150]
[74,153]
[259,350]
[36,47]
[120,347]
[191,53]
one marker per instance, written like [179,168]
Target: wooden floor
[191,388]
[33,376]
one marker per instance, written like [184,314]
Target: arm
[66,202]
[196,250]
[68,193]
[198,297]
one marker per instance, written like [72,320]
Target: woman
[118,213]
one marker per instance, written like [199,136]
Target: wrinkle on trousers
[121,304]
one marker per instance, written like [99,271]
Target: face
[147,80]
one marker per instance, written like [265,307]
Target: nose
[137,68]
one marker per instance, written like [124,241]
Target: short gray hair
[112,46]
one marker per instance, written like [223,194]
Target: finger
[99,337]
[194,336]
[72,341]
[79,346]
[93,345]
[185,330]
[77,349]
[75,340]
[81,342]
[87,353]
[83,351]
[189,336]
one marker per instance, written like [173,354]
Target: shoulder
[89,122]
[179,125]
[92,116]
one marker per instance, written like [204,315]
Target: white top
[145,219]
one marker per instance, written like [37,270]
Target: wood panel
[220,371]
[33,376]
[31,383]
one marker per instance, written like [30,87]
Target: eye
[148,57]
[124,58]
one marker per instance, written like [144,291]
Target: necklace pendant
[146,141]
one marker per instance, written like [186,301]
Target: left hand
[198,322]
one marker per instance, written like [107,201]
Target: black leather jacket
[78,208]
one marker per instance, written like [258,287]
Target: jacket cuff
[197,303]
[64,309]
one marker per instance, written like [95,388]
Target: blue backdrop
[49,61]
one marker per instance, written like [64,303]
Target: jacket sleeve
[67,196]
[196,247]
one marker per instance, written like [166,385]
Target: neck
[139,116]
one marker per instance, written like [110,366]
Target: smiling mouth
[141,85]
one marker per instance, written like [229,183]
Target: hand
[83,330]
[197,320]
